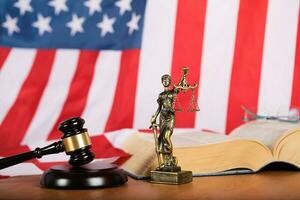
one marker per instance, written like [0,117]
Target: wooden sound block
[92,175]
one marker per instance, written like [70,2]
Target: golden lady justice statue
[168,171]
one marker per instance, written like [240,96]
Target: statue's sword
[154,128]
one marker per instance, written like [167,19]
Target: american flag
[103,59]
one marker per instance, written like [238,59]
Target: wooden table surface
[264,185]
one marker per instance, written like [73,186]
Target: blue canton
[78,24]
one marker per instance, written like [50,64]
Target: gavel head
[76,141]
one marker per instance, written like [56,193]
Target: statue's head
[166,80]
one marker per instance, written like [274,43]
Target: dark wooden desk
[264,185]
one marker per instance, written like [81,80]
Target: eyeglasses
[292,116]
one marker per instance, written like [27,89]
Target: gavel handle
[53,148]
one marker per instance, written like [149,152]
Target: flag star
[124,5]
[76,24]
[58,5]
[133,23]
[106,25]
[42,24]
[11,25]
[23,6]
[93,5]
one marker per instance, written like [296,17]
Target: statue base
[173,178]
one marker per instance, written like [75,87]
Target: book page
[190,138]
[264,131]
[211,153]
[142,148]
[143,155]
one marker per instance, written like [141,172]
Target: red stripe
[3,55]
[120,161]
[78,92]
[295,101]
[247,61]
[121,115]
[104,149]
[14,150]
[18,118]
[188,50]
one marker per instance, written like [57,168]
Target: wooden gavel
[75,142]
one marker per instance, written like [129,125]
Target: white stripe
[101,94]
[278,56]
[156,57]
[21,169]
[13,73]
[217,58]
[53,98]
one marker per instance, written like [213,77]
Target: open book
[247,149]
